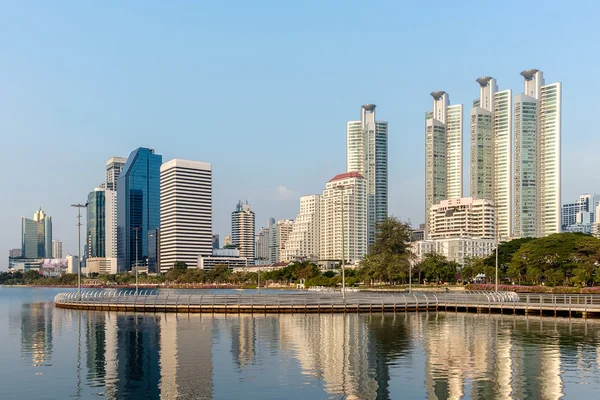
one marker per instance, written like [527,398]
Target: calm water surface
[50,353]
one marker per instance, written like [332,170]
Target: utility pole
[79,207]
[136,229]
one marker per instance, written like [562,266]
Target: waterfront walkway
[488,302]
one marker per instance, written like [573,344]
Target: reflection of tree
[389,341]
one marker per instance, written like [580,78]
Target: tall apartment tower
[343,218]
[243,231]
[443,152]
[185,212]
[303,242]
[537,116]
[491,151]
[367,154]
[57,249]
[138,206]
[280,234]
[114,166]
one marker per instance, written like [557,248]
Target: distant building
[114,166]
[185,212]
[24,264]
[15,253]
[464,217]
[229,257]
[138,206]
[280,234]
[227,241]
[263,243]
[36,236]
[343,218]
[303,241]
[419,233]
[243,231]
[579,216]
[101,265]
[215,241]
[154,251]
[72,264]
[57,249]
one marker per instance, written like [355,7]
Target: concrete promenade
[480,302]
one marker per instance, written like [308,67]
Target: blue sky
[262,90]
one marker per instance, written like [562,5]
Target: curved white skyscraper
[367,154]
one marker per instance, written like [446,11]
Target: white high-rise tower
[243,231]
[367,154]
[537,138]
[185,212]
[491,151]
[443,152]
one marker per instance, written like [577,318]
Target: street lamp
[79,207]
[342,187]
[136,229]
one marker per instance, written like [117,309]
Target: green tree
[220,273]
[180,265]
[390,255]
[31,276]
[438,269]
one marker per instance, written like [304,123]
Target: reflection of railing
[174,301]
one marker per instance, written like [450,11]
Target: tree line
[569,259]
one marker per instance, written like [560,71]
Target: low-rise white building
[229,257]
[464,217]
[101,265]
[454,249]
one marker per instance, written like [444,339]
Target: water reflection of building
[185,357]
[243,340]
[137,370]
[336,349]
[489,357]
[36,332]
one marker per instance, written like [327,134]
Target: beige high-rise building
[303,241]
[343,218]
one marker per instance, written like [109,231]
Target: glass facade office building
[36,236]
[138,205]
[96,224]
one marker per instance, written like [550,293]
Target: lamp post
[410,276]
[136,229]
[342,187]
[79,207]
